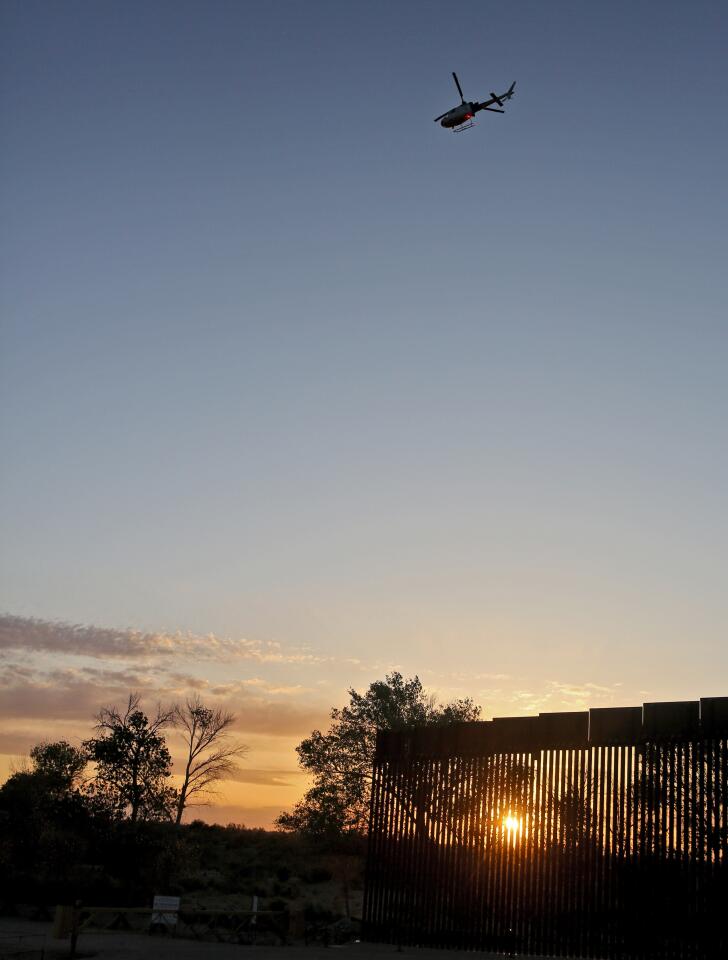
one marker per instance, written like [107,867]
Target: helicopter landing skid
[464,126]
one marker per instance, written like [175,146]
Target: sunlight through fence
[595,834]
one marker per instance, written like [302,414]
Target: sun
[511,823]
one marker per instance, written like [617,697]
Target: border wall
[599,834]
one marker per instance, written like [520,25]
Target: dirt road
[27,938]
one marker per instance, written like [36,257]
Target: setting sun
[511,824]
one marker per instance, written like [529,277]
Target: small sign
[165,910]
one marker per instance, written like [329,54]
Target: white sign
[165,910]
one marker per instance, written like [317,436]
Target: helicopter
[461,117]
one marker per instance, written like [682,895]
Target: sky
[298,388]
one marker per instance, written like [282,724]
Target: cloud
[581,695]
[258,683]
[55,636]
[78,693]
[528,701]
[270,778]
[260,716]
[17,743]
[57,696]
[558,695]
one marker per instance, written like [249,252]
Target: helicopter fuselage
[460,114]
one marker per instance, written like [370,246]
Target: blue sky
[284,360]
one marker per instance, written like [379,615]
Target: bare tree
[211,754]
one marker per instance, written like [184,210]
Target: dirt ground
[27,938]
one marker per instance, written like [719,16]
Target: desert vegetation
[101,822]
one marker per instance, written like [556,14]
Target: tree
[323,814]
[211,755]
[340,760]
[46,822]
[132,763]
[60,762]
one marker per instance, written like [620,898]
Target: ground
[26,938]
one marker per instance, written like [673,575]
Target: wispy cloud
[268,778]
[558,695]
[582,695]
[55,636]
[257,683]
[474,677]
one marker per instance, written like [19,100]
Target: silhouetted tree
[60,762]
[323,814]
[132,763]
[678,801]
[211,755]
[340,760]
[46,822]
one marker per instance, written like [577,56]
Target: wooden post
[75,922]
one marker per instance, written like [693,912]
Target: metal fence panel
[598,835]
